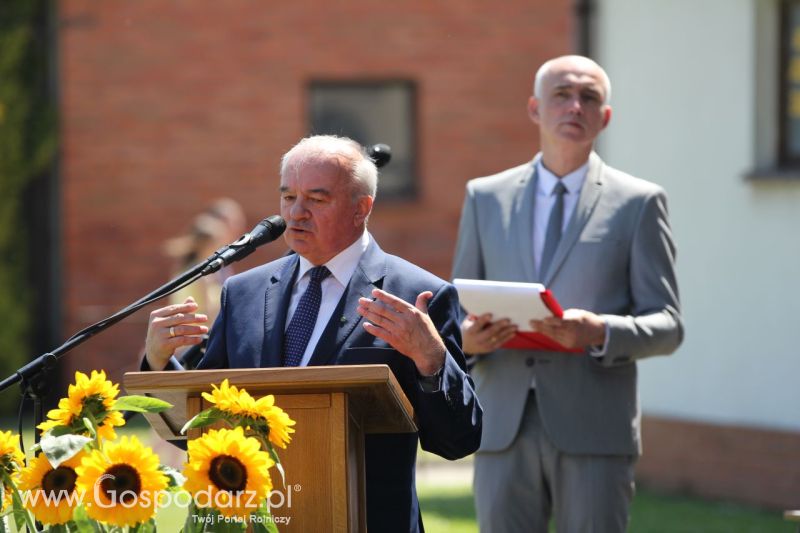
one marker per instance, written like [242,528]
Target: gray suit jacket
[616,258]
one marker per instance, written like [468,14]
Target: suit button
[530,361]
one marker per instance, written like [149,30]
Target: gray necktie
[553,235]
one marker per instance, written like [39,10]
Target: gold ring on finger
[172,331]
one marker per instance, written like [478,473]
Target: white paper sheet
[519,302]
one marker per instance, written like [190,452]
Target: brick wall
[166,105]
[719,462]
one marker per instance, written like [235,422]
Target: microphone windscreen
[267,230]
[380,153]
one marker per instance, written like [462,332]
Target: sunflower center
[62,478]
[121,483]
[228,473]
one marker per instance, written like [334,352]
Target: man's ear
[533,109]
[606,116]
[363,209]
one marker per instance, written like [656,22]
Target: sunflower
[93,397]
[227,398]
[239,403]
[52,495]
[121,482]
[11,461]
[228,471]
[278,421]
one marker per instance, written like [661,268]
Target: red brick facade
[166,105]
[755,466]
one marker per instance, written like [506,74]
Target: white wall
[684,99]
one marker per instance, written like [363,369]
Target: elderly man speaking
[289,313]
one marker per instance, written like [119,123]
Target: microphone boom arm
[31,373]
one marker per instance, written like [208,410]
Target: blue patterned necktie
[553,235]
[305,317]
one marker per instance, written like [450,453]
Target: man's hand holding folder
[574,331]
[532,319]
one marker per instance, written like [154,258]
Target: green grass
[447,509]
[654,512]
[451,510]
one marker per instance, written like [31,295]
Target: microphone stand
[33,376]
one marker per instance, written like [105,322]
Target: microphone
[265,231]
[380,153]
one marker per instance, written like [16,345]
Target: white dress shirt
[342,267]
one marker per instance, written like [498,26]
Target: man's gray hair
[362,170]
[545,68]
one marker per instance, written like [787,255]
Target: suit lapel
[590,194]
[368,275]
[522,218]
[276,305]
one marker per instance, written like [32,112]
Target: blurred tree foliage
[27,149]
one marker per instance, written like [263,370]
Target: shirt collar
[572,181]
[343,264]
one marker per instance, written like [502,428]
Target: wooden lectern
[334,406]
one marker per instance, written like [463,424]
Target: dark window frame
[785,158]
[410,189]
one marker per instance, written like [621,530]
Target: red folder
[531,340]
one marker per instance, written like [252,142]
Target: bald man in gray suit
[561,430]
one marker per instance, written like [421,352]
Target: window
[371,113]
[776,75]
[789,147]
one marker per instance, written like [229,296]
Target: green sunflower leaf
[59,430]
[227,525]
[195,519]
[19,519]
[141,404]
[143,527]
[274,455]
[84,524]
[22,517]
[63,448]
[203,419]
[90,424]
[261,520]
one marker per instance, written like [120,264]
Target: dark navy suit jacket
[249,333]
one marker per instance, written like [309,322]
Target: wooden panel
[325,486]
[373,391]
[194,404]
[310,481]
[332,483]
[356,477]
[338,438]
[302,401]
